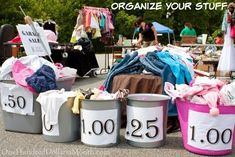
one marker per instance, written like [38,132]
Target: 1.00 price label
[213,136]
[209,132]
[99,127]
[144,124]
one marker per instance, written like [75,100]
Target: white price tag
[144,124]
[33,41]
[16,99]
[210,133]
[99,127]
[50,130]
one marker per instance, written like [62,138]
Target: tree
[65,12]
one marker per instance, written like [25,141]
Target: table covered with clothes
[143,83]
[171,63]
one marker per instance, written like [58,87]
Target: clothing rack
[95,8]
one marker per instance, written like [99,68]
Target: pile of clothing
[34,73]
[56,98]
[97,94]
[204,91]
[51,101]
[173,64]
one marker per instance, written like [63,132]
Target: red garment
[219,40]
[232,33]
[229,18]
[17,39]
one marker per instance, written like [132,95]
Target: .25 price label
[137,125]
[144,124]
[210,133]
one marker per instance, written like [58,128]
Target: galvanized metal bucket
[100,122]
[146,120]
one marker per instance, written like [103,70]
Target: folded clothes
[43,79]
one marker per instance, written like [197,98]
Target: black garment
[50,25]
[86,44]
[83,62]
[147,33]
[6,34]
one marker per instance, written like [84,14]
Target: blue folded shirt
[43,79]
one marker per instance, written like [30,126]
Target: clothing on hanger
[50,25]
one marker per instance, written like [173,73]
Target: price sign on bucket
[144,124]
[48,129]
[209,132]
[16,99]
[99,127]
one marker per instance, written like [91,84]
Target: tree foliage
[65,12]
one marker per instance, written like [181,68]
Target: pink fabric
[101,88]
[88,11]
[87,19]
[207,92]
[170,90]
[212,100]
[110,21]
[59,66]
[232,33]
[51,37]
[107,29]
[182,91]
[20,73]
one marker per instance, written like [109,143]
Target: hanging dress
[227,58]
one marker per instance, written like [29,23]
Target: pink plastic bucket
[184,108]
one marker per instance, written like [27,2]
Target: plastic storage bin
[66,83]
[29,123]
[205,134]
[68,123]
[23,123]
